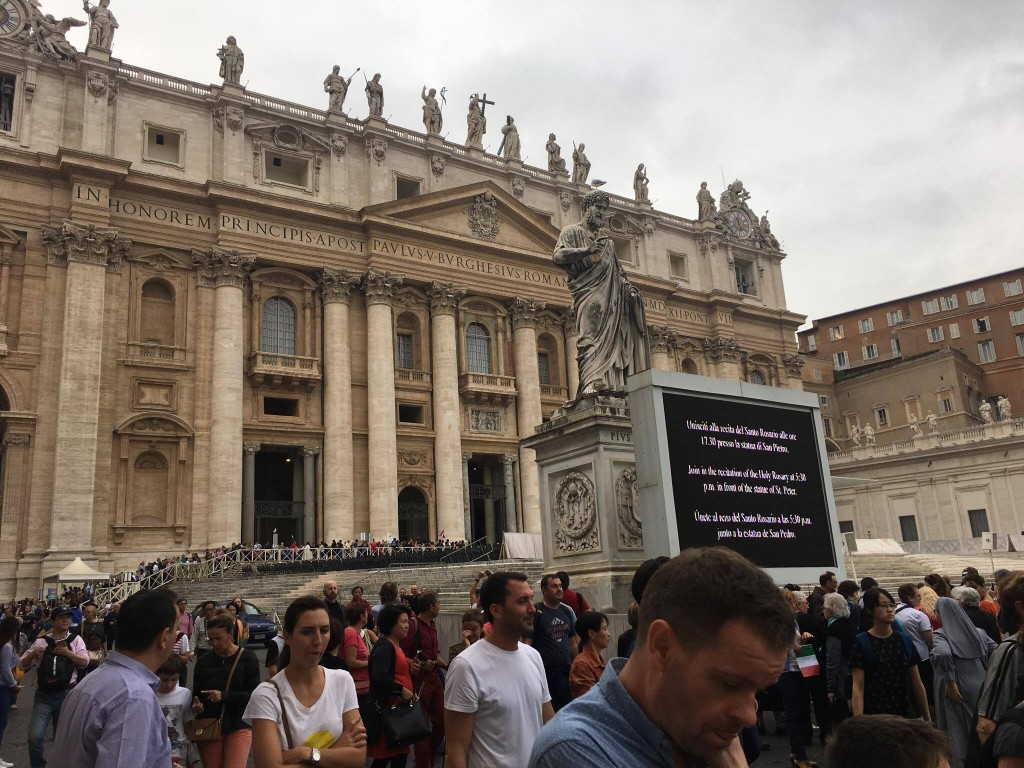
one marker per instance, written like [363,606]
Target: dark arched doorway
[412,514]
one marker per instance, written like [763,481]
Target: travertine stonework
[234,281]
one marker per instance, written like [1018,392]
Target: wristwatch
[314,756]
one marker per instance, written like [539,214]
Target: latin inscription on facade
[690,316]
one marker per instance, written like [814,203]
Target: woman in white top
[320,724]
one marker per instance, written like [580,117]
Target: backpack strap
[865,649]
[284,714]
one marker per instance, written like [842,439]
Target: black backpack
[55,672]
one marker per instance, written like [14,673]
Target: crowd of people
[928,678]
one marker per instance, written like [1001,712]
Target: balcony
[487,388]
[150,355]
[284,371]
[553,393]
[406,377]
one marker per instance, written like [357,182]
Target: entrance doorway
[486,499]
[412,515]
[278,482]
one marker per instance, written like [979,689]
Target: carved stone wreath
[631,532]
[339,143]
[437,165]
[483,216]
[566,201]
[97,82]
[575,513]
[376,149]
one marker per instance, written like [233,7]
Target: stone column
[489,521]
[15,490]
[511,523]
[339,512]
[227,272]
[572,366]
[309,454]
[663,341]
[724,354]
[528,410]
[249,451]
[380,396]
[6,257]
[444,302]
[89,252]
[467,516]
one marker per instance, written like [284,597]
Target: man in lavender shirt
[113,718]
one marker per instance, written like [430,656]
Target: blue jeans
[45,708]
[6,696]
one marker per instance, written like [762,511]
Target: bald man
[335,609]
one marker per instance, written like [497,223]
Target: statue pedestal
[590,521]
[97,54]
[376,124]
[233,89]
[477,153]
[435,140]
[515,164]
[336,120]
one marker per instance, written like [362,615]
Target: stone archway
[413,514]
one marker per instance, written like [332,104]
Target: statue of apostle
[706,210]
[232,61]
[640,185]
[476,123]
[101,24]
[375,96]
[580,165]
[511,149]
[432,120]
[555,162]
[336,86]
[608,309]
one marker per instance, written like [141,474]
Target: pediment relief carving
[156,424]
[160,260]
[287,136]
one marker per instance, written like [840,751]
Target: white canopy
[78,571]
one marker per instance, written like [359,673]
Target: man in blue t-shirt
[554,638]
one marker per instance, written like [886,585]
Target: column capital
[16,439]
[310,450]
[220,266]
[444,298]
[251,448]
[523,311]
[663,338]
[86,244]
[568,320]
[466,457]
[720,348]
[336,286]
[379,287]
[509,459]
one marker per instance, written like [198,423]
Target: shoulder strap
[284,714]
[865,648]
[902,608]
[227,685]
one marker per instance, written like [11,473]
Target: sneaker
[14,706]
[5,764]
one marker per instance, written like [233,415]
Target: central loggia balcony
[289,371]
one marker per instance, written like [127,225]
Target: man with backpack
[555,639]
[60,658]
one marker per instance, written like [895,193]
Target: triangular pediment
[481,213]
[160,259]
[8,237]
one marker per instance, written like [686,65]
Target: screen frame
[646,392]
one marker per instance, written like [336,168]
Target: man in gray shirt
[113,718]
[713,630]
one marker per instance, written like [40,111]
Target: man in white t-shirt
[919,627]
[496,696]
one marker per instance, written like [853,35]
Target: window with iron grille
[478,349]
[278,334]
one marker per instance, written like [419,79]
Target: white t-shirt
[177,709]
[915,622]
[318,726]
[506,690]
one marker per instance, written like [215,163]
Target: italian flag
[808,661]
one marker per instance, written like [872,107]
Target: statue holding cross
[476,121]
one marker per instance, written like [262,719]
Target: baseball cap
[59,611]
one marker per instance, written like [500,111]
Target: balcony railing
[554,392]
[411,376]
[487,387]
[146,353]
[284,370]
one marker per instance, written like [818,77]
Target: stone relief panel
[575,513]
[414,458]
[155,395]
[485,421]
[631,534]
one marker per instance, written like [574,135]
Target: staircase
[892,570]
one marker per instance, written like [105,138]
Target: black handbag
[404,724]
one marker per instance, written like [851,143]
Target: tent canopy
[78,571]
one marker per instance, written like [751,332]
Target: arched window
[688,366]
[157,313]
[278,327]
[412,514]
[149,488]
[547,360]
[478,349]
[756,377]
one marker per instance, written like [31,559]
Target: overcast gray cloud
[884,137]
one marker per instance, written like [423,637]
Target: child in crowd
[176,703]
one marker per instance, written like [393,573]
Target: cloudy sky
[885,138]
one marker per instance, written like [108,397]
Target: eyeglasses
[886,606]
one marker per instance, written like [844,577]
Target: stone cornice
[85,244]
[379,287]
[444,298]
[336,286]
[523,311]
[219,266]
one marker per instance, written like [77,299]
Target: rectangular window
[406,188]
[824,401]
[280,406]
[403,351]
[954,330]
[987,351]
[895,344]
[841,361]
[163,145]
[410,414]
[1012,287]
[745,278]
[948,302]
[870,352]
[976,296]
[981,325]
[978,519]
[935,334]
[285,169]
[1020,343]
[812,343]
[908,527]
[882,416]
[894,318]
[828,427]
[677,265]
[930,306]
[544,367]
[866,326]
[816,375]
[1017,317]
[7,91]
[946,404]
[836,333]
[846,526]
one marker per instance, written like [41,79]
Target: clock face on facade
[12,18]
[738,223]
